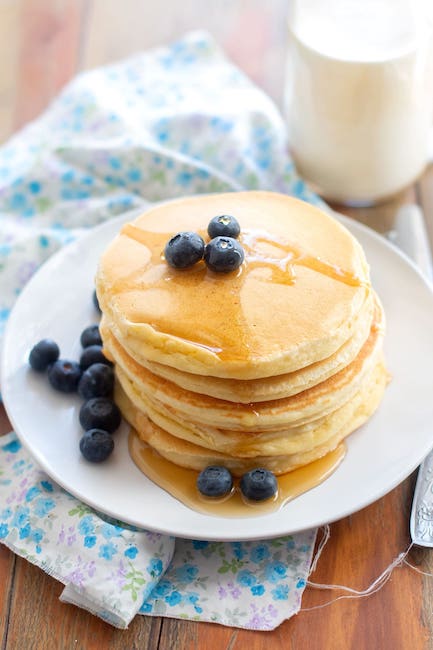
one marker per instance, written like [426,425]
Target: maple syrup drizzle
[282,267]
[181,482]
[155,290]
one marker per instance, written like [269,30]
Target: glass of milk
[359,95]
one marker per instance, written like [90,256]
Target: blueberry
[96,301]
[258,484]
[96,445]
[184,250]
[96,381]
[64,375]
[100,413]
[43,354]
[223,254]
[93,354]
[224,226]
[215,481]
[90,336]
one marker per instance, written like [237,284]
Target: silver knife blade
[410,235]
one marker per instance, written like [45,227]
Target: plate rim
[348,222]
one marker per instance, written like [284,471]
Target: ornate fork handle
[421,520]
[410,235]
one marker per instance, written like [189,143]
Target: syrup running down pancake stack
[271,365]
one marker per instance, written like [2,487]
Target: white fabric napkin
[173,121]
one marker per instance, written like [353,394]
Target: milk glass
[359,95]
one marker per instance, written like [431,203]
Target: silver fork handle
[410,235]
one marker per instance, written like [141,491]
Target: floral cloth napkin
[173,121]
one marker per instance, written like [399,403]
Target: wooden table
[43,43]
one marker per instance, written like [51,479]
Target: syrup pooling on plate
[181,482]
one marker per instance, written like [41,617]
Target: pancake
[246,444]
[279,457]
[254,390]
[303,407]
[302,291]
[271,365]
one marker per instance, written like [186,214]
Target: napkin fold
[173,121]
[115,570]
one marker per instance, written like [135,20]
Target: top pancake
[298,297]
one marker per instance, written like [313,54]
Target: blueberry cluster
[222,254]
[92,377]
[256,485]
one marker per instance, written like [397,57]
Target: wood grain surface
[43,43]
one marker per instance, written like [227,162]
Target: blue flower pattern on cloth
[173,121]
[102,148]
[117,571]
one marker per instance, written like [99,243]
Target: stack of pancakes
[272,365]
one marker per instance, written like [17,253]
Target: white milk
[359,95]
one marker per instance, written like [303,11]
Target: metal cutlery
[410,235]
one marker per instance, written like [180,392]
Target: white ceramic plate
[57,304]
